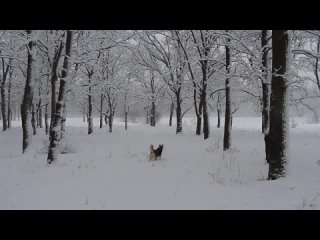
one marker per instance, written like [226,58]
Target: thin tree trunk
[40,116]
[219,111]
[84,115]
[171,113]
[147,114]
[90,123]
[278,134]
[33,119]
[101,107]
[178,112]
[27,98]
[46,121]
[55,126]
[64,118]
[199,118]
[3,109]
[152,115]
[9,100]
[227,125]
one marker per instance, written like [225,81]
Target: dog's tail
[151,148]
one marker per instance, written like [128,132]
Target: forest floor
[111,170]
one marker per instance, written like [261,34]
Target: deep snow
[111,170]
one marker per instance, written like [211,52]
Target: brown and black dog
[155,153]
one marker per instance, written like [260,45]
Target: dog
[155,153]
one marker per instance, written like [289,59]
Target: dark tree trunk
[40,116]
[171,113]
[278,134]
[110,122]
[153,115]
[178,112]
[9,100]
[199,118]
[55,126]
[33,119]
[90,123]
[46,121]
[3,109]
[227,124]
[126,120]
[101,114]
[54,80]
[106,119]
[147,114]
[37,118]
[27,99]
[126,111]
[64,118]
[206,127]
[219,118]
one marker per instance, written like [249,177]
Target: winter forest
[237,112]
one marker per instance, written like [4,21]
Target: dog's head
[160,146]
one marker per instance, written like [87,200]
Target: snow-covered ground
[112,171]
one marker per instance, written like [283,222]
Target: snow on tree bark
[228,112]
[278,134]
[28,97]
[56,123]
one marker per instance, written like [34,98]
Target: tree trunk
[40,116]
[206,127]
[265,92]
[265,83]
[106,119]
[3,109]
[27,98]
[147,114]
[90,123]
[227,124]
[46,121]
[152,115]
[54,80]
[278,134]
[171,113]
[64,118]
[179,113]
[9,100]
[199,118]
[84,115]
[55,126]
[33,119]
[110,122]
[126,120]
[101,107]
